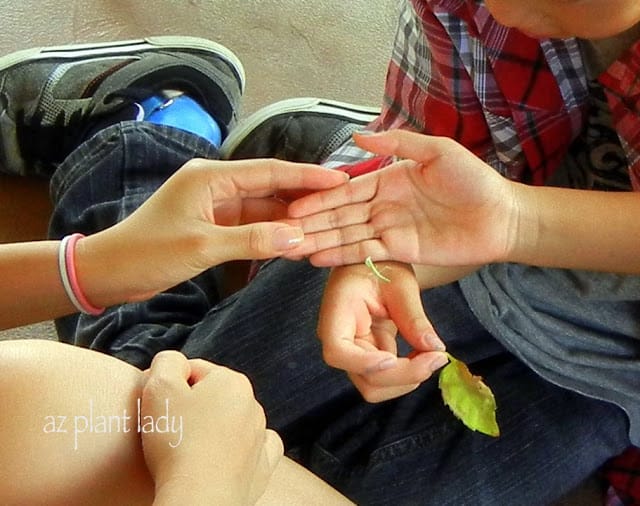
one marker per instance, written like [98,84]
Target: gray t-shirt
[577,329]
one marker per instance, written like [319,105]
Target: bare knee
[52,433]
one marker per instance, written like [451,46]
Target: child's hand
[223,453]
[359,318]
[207,213]
[440,206]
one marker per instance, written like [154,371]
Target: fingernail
[287,238]
[438,362]
[433,342]
[383,365]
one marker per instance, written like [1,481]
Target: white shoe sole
[349,112]
[124,47]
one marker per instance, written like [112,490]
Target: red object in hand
[370,165]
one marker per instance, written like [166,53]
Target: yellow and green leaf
[468,397]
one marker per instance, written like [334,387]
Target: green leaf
[468,397]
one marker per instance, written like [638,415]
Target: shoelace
[43,144]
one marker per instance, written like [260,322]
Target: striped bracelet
[67,266]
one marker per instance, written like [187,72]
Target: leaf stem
[369,263]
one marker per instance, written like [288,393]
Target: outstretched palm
[442,207]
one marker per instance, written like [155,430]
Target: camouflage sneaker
[50,98]
[297,129]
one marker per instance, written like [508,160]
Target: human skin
[43,379]
[445,207]
[588,19]
[539,226]
[360,317]
[207,213]
[464,213]
[226,433]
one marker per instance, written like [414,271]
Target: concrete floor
[330,48]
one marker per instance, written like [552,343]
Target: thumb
[257,241]
[404,144]
[406,309]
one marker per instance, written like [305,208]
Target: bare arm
[32,288]
[443,206]
[199,218]
[577,229]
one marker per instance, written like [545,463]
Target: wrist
[67,266]
[430,276]
[101,271]
[523,225]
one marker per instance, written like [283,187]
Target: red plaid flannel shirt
[456,72]
[515,101]
[623,475]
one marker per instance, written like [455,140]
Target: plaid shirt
[622,85]
[516,102]
[623,474]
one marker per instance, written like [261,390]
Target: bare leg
[52,393]
[68,429]
[293,484]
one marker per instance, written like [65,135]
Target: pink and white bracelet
[67,266]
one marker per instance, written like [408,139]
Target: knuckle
[157,384]
[329,355]
[241,382]
[168,354]
[333,220]
[372,395]
[257,240]
[195,164]
[416,378]
[417,322]
[261,417]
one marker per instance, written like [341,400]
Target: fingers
[353,244]
[346,255]
[405,307]
[344,315]
[345,216]
[255,241]
[403,376]
[358,331]
[258,178]
[346,355]
[172,370]
[408,375]
[199,370]
[361,189]
[169,371]
[404,144]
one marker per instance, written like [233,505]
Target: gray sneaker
[297,129]
[50,98]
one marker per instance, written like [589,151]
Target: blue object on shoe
[184,113]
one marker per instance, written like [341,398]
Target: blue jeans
[411,450]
